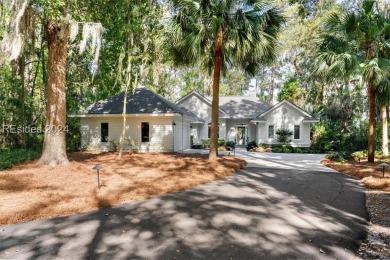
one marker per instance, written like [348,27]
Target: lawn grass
[10,157]
[31,191]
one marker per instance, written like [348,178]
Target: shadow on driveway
[260,212]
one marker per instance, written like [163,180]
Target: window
[144,132]
[104,132]
[271,132]
[297,130]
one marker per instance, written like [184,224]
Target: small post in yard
[384,166]
[97,168]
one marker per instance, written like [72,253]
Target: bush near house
[231,144]
[10,157]
[280,148]
[205,143]
[251,145]
[113,145]
[221,142]
[284,135]
[196,146]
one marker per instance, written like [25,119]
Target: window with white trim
[297,132]
[104,132]
[144,132]
[271,132]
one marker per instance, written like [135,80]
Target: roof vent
[284,111]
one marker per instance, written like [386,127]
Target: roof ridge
[166,101]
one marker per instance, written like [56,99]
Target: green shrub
[131,143]
[231,144]
[113,145]
[73,134]
[263,145]
[338,156]
[251,145]
[9,157]
[205,141]
[287,149]
[360,154]
[277,150]
[221,142]
[331,136]
[284,135]
[298,150]
[196,146]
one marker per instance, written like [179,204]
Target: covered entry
[241,134]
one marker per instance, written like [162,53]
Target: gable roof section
[200,96]
[285,102]
[143,101]
[243,106]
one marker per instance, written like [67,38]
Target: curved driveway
[280,206]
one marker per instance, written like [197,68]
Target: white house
[243,119]
[155,124]
[152,123]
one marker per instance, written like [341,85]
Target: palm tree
[383,99]
[352,44]
[219,34]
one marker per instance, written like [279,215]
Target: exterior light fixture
[98,167]
[384,166]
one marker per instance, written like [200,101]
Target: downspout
[182,134]
[173,136]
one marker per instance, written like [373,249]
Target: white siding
[222,128]
[202,110]
[231,129]
[286,121]
[160,132]
[182,132]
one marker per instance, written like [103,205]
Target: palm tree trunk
[54,145]
[385,136]
[215,102]
[371,121]
[272,86]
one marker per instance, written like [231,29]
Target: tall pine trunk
[371,121]
[385,135]
[215,102]
[54,145]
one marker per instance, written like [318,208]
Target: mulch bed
[30,191]
[377,243]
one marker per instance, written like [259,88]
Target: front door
[241,135]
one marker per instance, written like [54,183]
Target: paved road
[280,206]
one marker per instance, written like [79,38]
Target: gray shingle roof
[143,101]
[310,118]
[243,106]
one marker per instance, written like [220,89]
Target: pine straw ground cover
[377,243]
[30,191]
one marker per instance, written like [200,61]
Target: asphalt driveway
[280,206]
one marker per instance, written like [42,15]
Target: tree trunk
[371,121]
[128,78]
[385,136]
[22,66]
[54,145]
[215,102]
[272,86]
